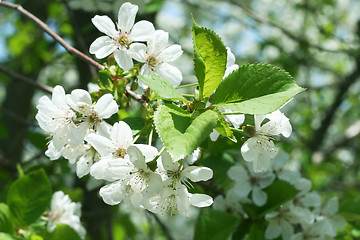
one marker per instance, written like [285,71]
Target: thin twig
[61,41]
[301,40]
[54,35]
[26,80]
[163,227]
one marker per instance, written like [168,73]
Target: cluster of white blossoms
[69,119]
[304,217]
[107,152]
[127,42]
[64,211]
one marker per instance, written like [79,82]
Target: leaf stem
[151,136]
[188,95]
[135,139]
[187,85]
[157,156]
[232,113]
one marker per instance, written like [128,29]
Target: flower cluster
[64,211]
[127,42]
[69,119]
[304,217]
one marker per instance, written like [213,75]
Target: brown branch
[54,35]
[26,80]
[164,228]
[300,40]
[345,85]
[61,41]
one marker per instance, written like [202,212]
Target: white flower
[56,117]
[231,202]
[132,176]
[64,211]
[92,115]
[255,182]
[327,221]
[156,56]
[172,197]
[84,155]
[259,148]
[118,40]
[280,223]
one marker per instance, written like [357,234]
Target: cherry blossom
[156,56]
[118,40]
[260,148]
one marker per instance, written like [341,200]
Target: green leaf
[5,236]
[105,79]
[182,132]
[209,58]
[28,197]
[215,225]
[223,127]
[255,232]
[256,89]
[280,192]
[63,231]
[161,87]
[6,224]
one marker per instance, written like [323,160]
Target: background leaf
[63,231]
[256,89]
[6,224]
[182,132]
[209,59]
[29,197]
[215,225]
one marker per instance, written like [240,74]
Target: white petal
[142,31]
[230,58]
[197,174]
[158,41]
[170,73]
[101,144]
[249,150]
[58,96]
[149,152]
[242,188]
[214,135]
[83,166]
[138,52]
[311,199]
[106,106]
[123,59]
[273,230]
[266,179]
[332,206]
[102,47]
[112,193]
[258,196]
[77,97]
[168,163]
[201,200]
[100,170]
[126,16]
[235,120]
[121,134]
[52,152]
[287,229]
[105,25]
[170,53]
[238,173]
